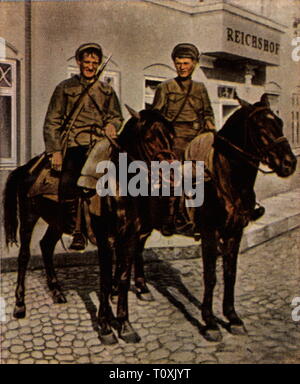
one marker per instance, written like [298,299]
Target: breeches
[73,162]
[184,134]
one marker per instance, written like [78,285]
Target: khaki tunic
[191,121]
[98,110]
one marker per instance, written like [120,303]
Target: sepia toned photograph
[150,189]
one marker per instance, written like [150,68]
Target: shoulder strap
[184,101]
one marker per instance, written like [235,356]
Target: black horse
[252,135]
[148,137]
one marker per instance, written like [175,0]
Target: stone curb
[282,215]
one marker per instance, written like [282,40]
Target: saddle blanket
[201,149]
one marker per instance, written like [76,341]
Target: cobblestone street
[268,280]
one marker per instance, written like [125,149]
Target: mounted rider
[81,112]
[186,104]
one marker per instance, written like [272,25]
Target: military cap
[186,50]
[88,46]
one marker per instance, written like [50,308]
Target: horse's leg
[27,223]
[141,290]
[105,254]
[125,255]
[47,245]
[209,255]
[230,255]
[105,314]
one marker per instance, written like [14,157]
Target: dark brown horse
[146,137]
[252,135]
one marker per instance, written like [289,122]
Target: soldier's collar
[183,79]
[84,81]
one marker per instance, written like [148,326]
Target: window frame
[150,78]
[295,120]
[11,161]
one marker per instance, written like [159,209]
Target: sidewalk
[282,215]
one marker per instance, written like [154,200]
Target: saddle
[47,185]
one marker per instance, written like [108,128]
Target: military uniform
[185,103]
[101,107]
[86,116]
[191,121]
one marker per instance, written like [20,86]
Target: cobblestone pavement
[170,327]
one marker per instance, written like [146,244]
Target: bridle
[248,157]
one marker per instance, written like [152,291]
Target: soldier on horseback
[71,127]
[186,104]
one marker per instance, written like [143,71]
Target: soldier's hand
[110,131]
[56,161]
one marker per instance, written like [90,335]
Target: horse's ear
[242,102]
[133,112]
[265,100]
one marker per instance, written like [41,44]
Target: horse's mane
[233,127]
[132,133]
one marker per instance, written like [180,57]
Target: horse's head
[264,135]
[153,135]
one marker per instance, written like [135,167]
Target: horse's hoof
[19,311]
[143,293]
[147,296]
[128,334]
[59,298]
[108,339]
[213,335]
[238,330]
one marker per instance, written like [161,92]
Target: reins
[250,158]
[247,154]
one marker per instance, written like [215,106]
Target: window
[150,86]
[226,92]
[8,106]
[295,122]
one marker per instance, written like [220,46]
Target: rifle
[79,104]
[74,113]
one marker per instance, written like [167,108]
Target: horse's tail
[10,205]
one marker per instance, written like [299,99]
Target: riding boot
[183,224]
[68,212]
[168,221]
[79,240]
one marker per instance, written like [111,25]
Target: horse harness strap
[257,109]
[184,101]
[249,155]
[252,157]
